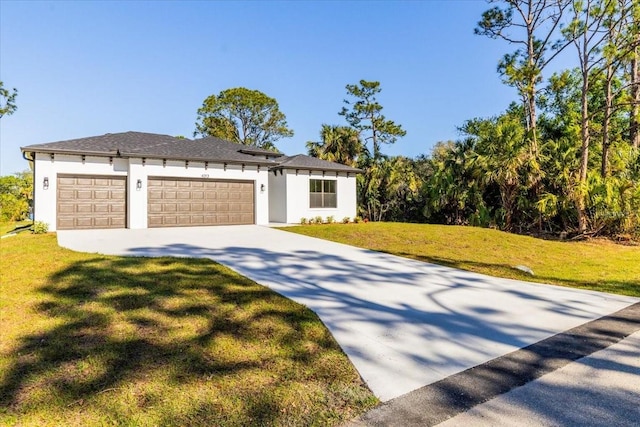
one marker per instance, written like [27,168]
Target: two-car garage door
[100,202]
[176,202]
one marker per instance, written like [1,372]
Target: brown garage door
[189,202]
[91,202]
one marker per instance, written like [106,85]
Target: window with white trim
[322,193]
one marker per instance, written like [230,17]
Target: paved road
[403,323]
[584,376]
[599,390]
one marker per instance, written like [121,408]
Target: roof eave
[311,169]
[125,154]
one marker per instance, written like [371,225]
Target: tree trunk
[584,154]
[634,127]
[532,87]
[604,167]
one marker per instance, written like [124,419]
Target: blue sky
[90,68]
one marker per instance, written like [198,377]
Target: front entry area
[183,202]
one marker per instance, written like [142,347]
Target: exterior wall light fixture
[139,184]
[262,188]
[45,183]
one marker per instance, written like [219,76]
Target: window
[322,193]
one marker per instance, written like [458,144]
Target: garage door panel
[84,209]
[154,208]
[85,181]
[118,209]
[66,181]
[189,202]
[117,222]
[87,222]
[84,194]
[85,201]
[154,221]
[102,222]
[102,194]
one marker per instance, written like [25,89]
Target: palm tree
[340,144]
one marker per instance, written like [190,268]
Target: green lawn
[598,264]
[100,340]
[8,227]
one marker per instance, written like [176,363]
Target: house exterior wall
[297,194]
[277,197]
[133,169]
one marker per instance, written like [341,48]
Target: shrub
[40,227]
[303,221]
[330,219]
[346,220]
[357,219]
[318,219]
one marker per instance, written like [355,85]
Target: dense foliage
[564,158]
[244,116]
[16,192]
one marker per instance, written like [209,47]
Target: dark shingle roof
[141,144]
[212,149]
[301,161]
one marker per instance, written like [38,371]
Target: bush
[346,220]
[330,219]
[318,219]
[40,227]
[357,219]
[303,221]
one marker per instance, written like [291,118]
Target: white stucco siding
[134,170]
[45,208]
[277,197]
[297,189]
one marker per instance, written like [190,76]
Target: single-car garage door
[91,202]
[189,202]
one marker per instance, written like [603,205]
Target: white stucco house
[144,180]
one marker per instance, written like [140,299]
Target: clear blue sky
[90,68]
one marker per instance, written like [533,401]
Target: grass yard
[99,340]
[598,264]
[8,227]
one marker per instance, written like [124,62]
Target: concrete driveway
[403,323]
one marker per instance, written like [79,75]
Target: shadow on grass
[186,323]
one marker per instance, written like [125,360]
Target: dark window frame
[323,193]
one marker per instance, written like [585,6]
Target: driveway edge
[439,401]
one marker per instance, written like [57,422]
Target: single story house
[144,180]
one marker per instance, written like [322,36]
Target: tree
[340,144]
[538,21]
[7,100]
[243,116]
[503,158]
[365,115]
[587,32]
[634,79]
[621,37]
[15,196]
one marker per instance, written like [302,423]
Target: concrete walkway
[403,323]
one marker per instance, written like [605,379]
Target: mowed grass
[99,340]
[8,227]
[599,265]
